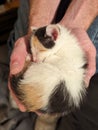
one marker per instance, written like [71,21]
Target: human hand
[79,22]
[17,61]
[89,50]
[18,55]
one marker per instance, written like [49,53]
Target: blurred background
[8,16]
[10,118]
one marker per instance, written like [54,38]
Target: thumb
[18,56]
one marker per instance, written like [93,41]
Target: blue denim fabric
[93,34]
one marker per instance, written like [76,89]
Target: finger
[18,56]
[91,54]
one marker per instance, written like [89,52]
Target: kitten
[53,84]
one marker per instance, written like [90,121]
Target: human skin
[80,14]
[78,18]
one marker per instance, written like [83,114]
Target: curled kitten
[54,82]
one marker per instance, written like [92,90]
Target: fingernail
[14,68]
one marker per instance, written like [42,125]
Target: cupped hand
[89,50]
[18,55]
[17,61]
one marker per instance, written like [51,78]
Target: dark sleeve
[86,117]
[21,25]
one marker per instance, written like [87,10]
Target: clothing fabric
[93,34]
[21,24]
[87,116]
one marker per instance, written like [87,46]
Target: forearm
[80,14]
[42,12]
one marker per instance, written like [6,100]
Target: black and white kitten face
[54,82]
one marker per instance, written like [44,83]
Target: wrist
[80,14]
[42,12]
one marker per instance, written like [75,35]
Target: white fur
[62,62]
[43,75]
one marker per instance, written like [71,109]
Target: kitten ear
[53,31]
